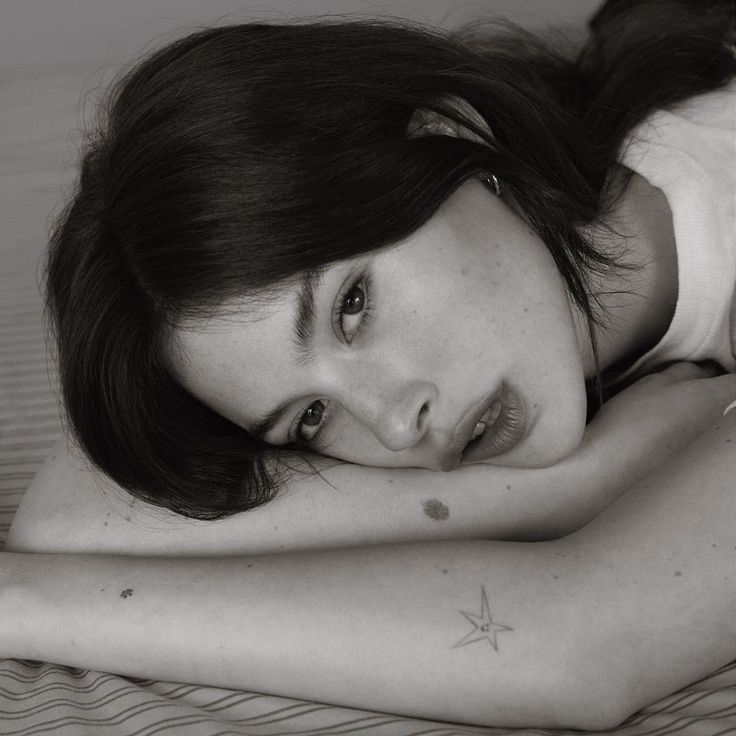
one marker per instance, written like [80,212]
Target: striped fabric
[38,107]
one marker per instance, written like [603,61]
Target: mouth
[500,428]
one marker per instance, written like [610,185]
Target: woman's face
[400,357]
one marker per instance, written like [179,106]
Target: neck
[639,304]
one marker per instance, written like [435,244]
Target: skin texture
[470,301]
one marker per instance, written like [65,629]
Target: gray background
[102,32]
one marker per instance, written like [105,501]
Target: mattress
[36,160]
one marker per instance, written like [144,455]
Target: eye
[313,417]
[354,301]
[353,309]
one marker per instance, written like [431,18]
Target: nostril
[422,415]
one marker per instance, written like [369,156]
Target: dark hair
[237,157]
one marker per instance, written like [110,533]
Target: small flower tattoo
[127,593]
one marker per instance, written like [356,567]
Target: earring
[492,180]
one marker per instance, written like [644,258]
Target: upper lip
[451,455]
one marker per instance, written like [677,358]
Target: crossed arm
[578,631]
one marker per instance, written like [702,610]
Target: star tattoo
[484,627]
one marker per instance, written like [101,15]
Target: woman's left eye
[354,309]
[311,424]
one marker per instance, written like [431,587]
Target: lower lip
[505,433]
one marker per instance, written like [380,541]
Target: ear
[429,122]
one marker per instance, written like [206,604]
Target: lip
[452,455]
[505,433]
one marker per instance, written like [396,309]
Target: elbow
[598,714]
[598,696]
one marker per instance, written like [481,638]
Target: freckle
[390,481]
[436,510]
[275,528]
[535,405]
[443,570]
[715,546]
[249,565]
[556,577]
[127,517]
[106,524]
[678,573]
[464,272]
[508,487]
[526,309]
[107,514]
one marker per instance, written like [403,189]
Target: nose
[398,415]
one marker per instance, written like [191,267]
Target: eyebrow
[303,339]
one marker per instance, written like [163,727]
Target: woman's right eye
[311,423]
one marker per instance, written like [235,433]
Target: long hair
[237,157]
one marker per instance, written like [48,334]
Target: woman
[446,239]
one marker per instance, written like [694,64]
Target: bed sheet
[36,159]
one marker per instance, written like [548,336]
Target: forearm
[374,628]
[71,508]
[635,605]
[664,589]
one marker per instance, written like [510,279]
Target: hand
[653,419]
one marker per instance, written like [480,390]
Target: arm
[72,508]
[582,630]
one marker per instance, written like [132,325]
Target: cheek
[352,441]
[347,439]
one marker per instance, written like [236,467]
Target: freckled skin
[436,510]
[397,390]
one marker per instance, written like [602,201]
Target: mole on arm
[436,509]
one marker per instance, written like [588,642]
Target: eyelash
[338,313]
